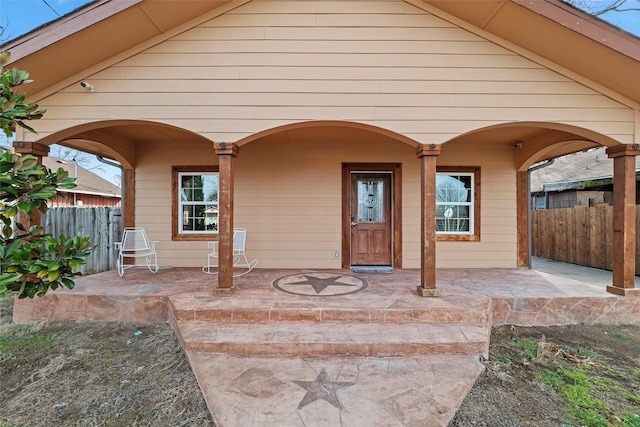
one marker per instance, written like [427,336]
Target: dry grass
[95,374]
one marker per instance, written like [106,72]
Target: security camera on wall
[87,86]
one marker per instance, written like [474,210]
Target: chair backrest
[135,239]
[239,239]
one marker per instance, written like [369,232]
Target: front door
[371,218]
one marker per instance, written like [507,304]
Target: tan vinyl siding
[153,197]
[498,219]
[288,195]
[300,186]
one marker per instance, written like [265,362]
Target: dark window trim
[475,237]
[175,235]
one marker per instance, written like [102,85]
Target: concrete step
[332,338]
[433,311]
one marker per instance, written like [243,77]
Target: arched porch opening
[119,140]
[306,166]
[317,131]
[537,142]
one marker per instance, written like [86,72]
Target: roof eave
[594,53]
[64,27]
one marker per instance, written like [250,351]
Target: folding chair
[135,244]
[240,260]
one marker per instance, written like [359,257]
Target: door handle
[353,224]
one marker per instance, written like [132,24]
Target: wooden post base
[428,292]
[224,292]
[625,292]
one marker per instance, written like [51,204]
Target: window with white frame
[197,202]
[456,204]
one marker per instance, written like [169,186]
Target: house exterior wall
[567,199]
[571,198]
[84,200]
[383,63]
[289,197]
[497,247]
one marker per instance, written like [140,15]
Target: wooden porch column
[428,155]
[522,193]
[624,219]
[226,152]
[128,197]
[39,151]
[33,148]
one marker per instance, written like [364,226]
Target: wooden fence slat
[580,235]
[535,232]
[637,242]
[572,227]
[562,241]
[608,233]
[103,225]
[603,236]
[596,237]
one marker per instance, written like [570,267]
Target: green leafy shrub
[31,262]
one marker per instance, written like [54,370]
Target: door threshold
[375,269]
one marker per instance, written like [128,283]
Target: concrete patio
[335,348]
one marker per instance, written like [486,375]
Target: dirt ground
[95,374]
[557,376]
[124,374]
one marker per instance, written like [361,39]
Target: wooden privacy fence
[103,225]
[580,235]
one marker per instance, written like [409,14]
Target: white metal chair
[240,260]
[135,244]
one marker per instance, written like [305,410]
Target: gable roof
[563,35]
[102,33]
[87,182]
[106,31]
[574,170]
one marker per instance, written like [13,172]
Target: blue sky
[21,16]
[628,21]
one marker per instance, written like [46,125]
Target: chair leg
[153,267]
[207,268]
[120,266]
[248,265]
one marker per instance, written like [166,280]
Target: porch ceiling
[532,144]
[117,140]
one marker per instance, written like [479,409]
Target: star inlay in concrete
[320,284]
[322,388]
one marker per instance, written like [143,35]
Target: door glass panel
[370,200]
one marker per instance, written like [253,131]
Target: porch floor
[336,348]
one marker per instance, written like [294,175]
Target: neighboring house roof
[575,171]
[548,31]
[87,182]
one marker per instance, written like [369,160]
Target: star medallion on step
[322,388]
[320,284]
